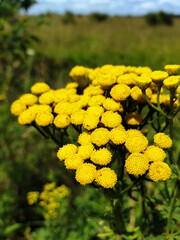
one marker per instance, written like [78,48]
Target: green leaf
[12,228]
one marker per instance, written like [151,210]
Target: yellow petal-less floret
[32,197]
[17,107]
[62,121]
[111,119]
[84,138]
[96,100]
[77,118]
[63,107]
[28,99]
[66,151]
[101,157]
[95,110]
[47,98]
[136,94]
[162,140]
[73,161]
[106,177]
[111,105]
[100,136]
[85,151]
[120,92]
[143,82]
[137,164]
[158,76]
[106,80]
[86,173]
[78,73]
[171,82]
[44,119]
[155,154]
[159,171]
[90,121]
[128,79]
[118,136]
[134,118]
[26,117]
[71,85]
[172,69]
[136,143]
[39,88]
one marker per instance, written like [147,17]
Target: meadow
[28,161]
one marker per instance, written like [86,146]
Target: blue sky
[112,7]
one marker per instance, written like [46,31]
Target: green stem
[171,209]
[39,130]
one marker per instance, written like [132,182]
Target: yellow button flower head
[111,119]
[93,90]
[60,96]
[73,161]
[90,121]
[84,99]
[96,100]
[172,69]
[134,118]
[100,136]
[143,82]
[47,98]
[86,173]
[71,85]
[39,88]
[111,105]
[162,140]
[101,156]
[154,154]
[77,118]
[136,143]
[120,92]
[26,117]
[85,151]
[106,177]
[71,91]
[75,106]
[158,76]
[128,79]
[159,171]
[95,110]
[44,119]
[17,107]
[171,82]
[133,132]
[63,107]
[28,99]
[74,98]
[118,135]
[84,138]
[66,151]
[78,73]
[137,95]
[42,108]
[106,80]
[32,197]
[62,121]
[137,164]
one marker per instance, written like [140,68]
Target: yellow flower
[172,69]
[136,143]
[39,88]
[111,119]
[137,164]
[78,73]
[137,95]
[143,82]
[93,90]
[73,161]
[171,82]
[118,135]
[120,92]
[101,156]
[158,76]
[63,107]
[44,119]
[62,121]
[42,108]
[134,118]
[128,79]
[47,98]
[106,80]
[26,117]
[96,100]
[159,171]
[49,186]
[86,173]
[77,118]
[155,154]
[90,121]
[74,98]
[71,85]
[84,138]
[106,177]
[28,99]
[162,140]
[32,197]
[95,110]
[111,105]
[100,136]
[60,96]
[66,151]
[85,151]
[17,107]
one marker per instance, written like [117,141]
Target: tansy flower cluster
[49,199]
[104,105]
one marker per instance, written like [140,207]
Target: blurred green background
[45,48]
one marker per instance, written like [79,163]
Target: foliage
[159,18]
[99,17]
[68,17]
